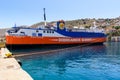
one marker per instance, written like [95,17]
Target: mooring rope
[52,51]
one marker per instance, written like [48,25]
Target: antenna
[15,25]
[44,17]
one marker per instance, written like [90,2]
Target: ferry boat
[57,34]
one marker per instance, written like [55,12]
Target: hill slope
[88,22]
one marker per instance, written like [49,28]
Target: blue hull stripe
[81,34]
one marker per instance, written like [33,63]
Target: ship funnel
[61,25]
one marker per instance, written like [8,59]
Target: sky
[29,12]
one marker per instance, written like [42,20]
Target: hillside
[104,23]
[2,32]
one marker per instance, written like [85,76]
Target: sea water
[96,62]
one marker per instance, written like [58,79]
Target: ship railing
[17,35]
[76,30]
[86,30]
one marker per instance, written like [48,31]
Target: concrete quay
[11,70]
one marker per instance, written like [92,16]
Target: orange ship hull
[27,40]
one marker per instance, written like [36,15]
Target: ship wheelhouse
[14,30]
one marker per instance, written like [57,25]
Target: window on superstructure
[37,30]
[52,31]
[43,31]
[22,32]
[47,31]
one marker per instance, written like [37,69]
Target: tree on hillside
[117,27]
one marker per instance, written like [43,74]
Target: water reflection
[78,57]
[113,48]
[76,64]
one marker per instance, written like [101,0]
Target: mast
[44,17]
[15,25]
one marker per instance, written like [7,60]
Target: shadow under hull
[47,46]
